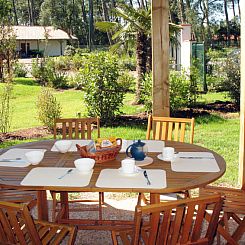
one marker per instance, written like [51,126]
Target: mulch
[139,120]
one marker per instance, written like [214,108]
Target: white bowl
[84,164]
[63,145]
[34,157]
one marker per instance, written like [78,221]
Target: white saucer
[166,159]
[137,171]
[145,162]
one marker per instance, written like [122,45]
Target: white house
[181,54]
[32,40]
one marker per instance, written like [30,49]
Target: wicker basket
[101,155]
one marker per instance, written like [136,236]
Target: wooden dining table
[11,177]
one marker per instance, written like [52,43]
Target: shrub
[47,73]
[181,90]
[5,107]
[48,108]
[215,70]
[232,83]
[20,70]
[69,50]
[103,94]
[127,81]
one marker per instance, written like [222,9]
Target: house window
[24,49]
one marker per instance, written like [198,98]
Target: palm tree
[135,29]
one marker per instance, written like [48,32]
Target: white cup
[128,166]
[168,153]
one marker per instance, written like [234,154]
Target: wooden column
[160,57]
[242,110]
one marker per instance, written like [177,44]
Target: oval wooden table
[11,177]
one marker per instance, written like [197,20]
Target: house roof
[38,33]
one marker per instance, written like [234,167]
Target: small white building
[181,54]
[33,40]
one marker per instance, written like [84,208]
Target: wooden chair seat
[233,207]
[175,222]
[76,128]
[18,227]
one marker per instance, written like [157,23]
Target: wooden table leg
[42,205]
[64,205]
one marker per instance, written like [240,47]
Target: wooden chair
[233,207]
[18,227]
[168,128]
[18,196]
[170,223]
[77,128]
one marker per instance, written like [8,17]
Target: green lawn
[216,133]
[25,97]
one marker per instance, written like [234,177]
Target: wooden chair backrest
[17,225]
[169,128]
[177,222]
[77,128]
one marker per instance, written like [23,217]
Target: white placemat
[195,162]
[50,177]
[152,145]
[112,178]
[16,157]
[73,146]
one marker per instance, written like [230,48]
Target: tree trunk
[206,13]
[30,13]
[181,11]
[227,22]
[106,18]
[233,8]
[141,58]
[149,55]
[15,13]
[85,20]
[239,10]
[91,25]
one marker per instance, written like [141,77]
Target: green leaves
[48,107]
[103,93]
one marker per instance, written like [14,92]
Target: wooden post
[242,109]
[160,59]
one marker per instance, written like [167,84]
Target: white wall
[53,47]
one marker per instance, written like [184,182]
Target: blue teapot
[137,150]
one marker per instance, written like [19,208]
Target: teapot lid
[139,143]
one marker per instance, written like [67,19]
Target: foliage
[233,81]
[48,108]
[69,50]
[128,62]
[134,30]
[181,91]
[216,69]
[127,81]
[19,70]
[47,73]
[103,94]
[5,107]
[7,42]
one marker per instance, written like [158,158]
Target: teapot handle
[127,151]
